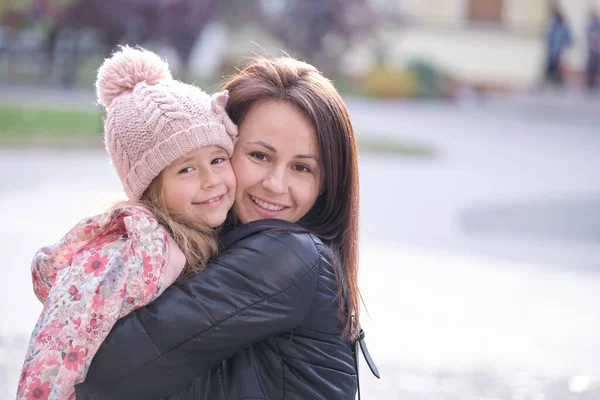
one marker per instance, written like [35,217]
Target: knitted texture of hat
[152,119]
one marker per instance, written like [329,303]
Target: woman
[276,314]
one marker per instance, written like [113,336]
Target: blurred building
[496,44]
[488,43]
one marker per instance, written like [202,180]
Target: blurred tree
[176,23]
[319,30]
[180,22]
[25,27]
[13,14]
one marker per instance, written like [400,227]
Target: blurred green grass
[398,147]
[25,125]
[22,126]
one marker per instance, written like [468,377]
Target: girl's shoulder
[136,220]
[123,231]
[129,210]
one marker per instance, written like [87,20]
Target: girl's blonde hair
[196,239]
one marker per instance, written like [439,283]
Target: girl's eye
[301,168]
[258,155]
[218,160]
[186,170]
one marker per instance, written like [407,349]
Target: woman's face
[277,163]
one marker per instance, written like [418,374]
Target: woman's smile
[266,205]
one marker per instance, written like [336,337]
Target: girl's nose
[210,180]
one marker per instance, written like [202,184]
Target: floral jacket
[103,269]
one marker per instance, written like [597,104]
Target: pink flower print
[149,277]
[89,228]
[147,260]
[37,390]
[51,331]
[74,358]
[77,323]
[130,299]
[95,265]
[52,359]
[75,293]
[92,327]
[97,302]
[37,368]
[44,337]
[123,291]
[24,374]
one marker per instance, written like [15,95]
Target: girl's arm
[120,264]
[262,285]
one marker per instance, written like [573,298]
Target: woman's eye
[186,170]
[258,155]
[218,160]
[301,168]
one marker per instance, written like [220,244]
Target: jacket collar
[243,231]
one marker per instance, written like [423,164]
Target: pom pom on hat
[152,119]
[125,69]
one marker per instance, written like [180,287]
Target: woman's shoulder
[273,234]
[278,248]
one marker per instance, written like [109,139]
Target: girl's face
[200,186]
[277,163]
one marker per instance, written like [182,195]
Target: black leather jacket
[260,322]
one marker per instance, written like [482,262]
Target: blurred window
[486,10]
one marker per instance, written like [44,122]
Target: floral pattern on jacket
[103,269]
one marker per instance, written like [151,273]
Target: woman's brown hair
[334,216]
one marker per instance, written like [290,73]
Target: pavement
[480,267]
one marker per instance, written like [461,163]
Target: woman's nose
[276,182]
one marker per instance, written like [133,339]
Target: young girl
[170,144]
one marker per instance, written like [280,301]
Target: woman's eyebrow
[311,156]
[268,146]
[274,150]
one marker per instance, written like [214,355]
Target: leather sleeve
[260,286]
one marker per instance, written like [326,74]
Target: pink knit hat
[152,119]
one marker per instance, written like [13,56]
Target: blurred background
[478,124]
